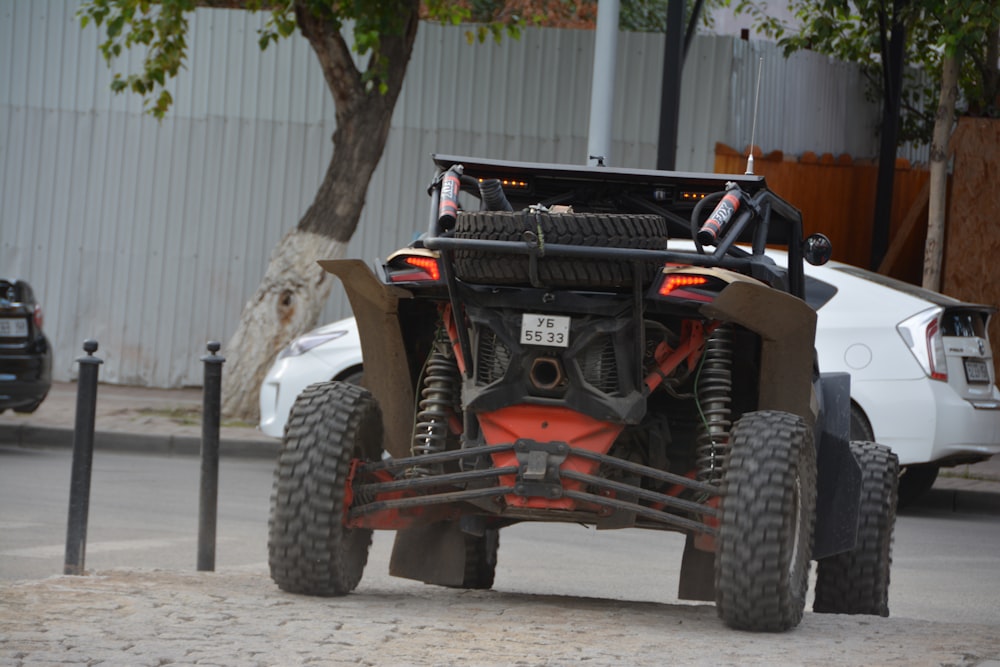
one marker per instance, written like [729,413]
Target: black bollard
[83,457]
[210,422]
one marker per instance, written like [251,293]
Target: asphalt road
[144,514]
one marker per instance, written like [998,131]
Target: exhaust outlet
[546,373]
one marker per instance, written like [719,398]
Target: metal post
[210,422]
[670,93]
[602,86]
[83,456]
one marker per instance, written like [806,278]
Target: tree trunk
[893,59]
[938,203]
[287,302]
[294,289]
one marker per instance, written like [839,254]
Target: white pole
[602,87]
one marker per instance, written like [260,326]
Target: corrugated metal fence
[151,236]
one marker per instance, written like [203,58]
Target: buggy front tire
[766,526]
[310,549]
[857,581]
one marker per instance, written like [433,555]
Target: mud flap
[838,481]
[433,554]
[697,573]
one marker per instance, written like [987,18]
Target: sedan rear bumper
[925,421]
[24,380]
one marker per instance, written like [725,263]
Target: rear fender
[387,376]
[787,329]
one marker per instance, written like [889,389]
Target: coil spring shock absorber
[715,385]
[438,392]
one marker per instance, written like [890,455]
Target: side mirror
[817,249]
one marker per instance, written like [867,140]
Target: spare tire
[596,230]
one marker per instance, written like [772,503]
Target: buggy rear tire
[857,582]
[481,560]
[766,527]
[915,482]
[597,230]
[310,549]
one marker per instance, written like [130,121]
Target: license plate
[13,328]
[976,371]
[548,330]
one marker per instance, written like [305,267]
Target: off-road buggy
[546,354]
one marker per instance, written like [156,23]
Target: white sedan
[922,378]
[331,352]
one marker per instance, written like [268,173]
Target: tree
[947,43]
[293,290]
[970,41]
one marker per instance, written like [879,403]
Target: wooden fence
[837,197]
[971,269]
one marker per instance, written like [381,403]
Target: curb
[26,435]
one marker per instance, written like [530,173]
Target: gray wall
[150,236]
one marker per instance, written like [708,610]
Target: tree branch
[341,75]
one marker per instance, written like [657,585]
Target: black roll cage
[763,219]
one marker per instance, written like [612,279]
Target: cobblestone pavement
[238,617]
[138,618]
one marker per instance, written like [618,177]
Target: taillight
[922,334]
[688,287]
[671,283]
[413,268]
[935,351]
[39,318]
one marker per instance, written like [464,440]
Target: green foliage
[162,26]
[858,32]
[651,15]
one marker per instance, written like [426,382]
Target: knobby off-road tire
[768,513]
[481,560]
[915,482]
[310,550]
[857,582]
[597,230]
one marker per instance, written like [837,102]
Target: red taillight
[675,282]
[935,351]
[426,264]
[39,319]
[423,269]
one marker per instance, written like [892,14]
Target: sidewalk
[162,421]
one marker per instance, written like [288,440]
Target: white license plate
[13,328]
[548,330]
[976,371]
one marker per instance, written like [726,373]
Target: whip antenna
[753,129]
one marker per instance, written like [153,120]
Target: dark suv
[25,353]
[544,353]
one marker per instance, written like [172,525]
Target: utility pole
[602,87]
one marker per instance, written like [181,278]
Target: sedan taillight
[39,318]
[922,334]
